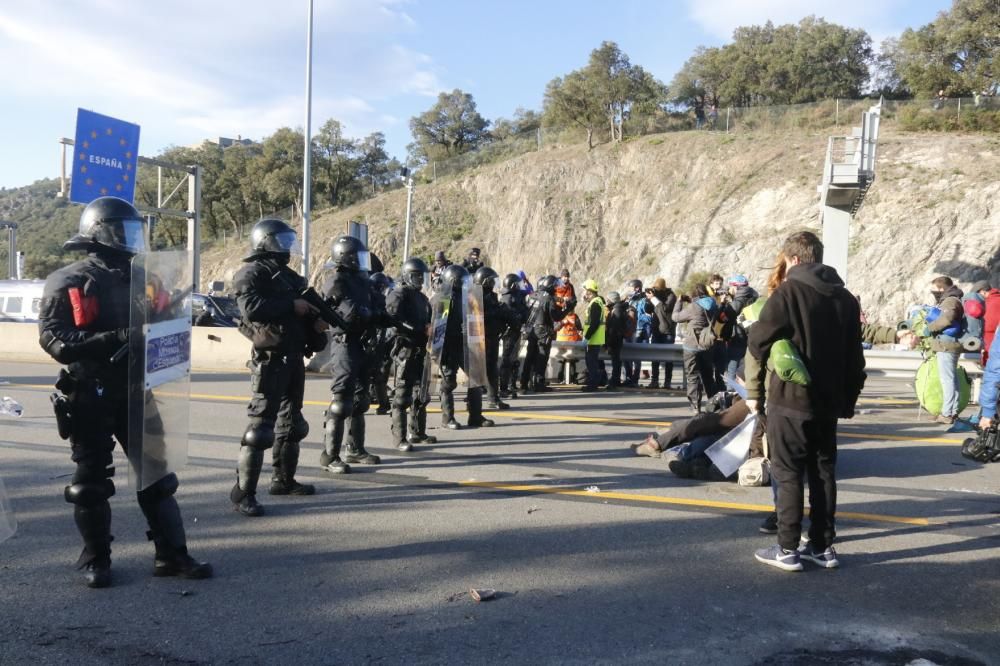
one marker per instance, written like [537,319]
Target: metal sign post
[409,208]
[192,214]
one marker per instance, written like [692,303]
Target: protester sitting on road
[701,313]
[945,331]
[686,442]
[615,334]
[664,328]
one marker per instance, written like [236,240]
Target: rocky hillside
[672,204]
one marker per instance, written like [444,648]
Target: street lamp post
[307,158]
[409,208]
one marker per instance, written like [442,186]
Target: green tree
[337,162]
[569,100]
[451,127]
[956,53]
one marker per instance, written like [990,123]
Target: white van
[20,300]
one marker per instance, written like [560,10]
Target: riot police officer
[347,291]
[411,311]
[373,347]
[497,319]
[512,298]
[453,354]
[83,324]
[284,330]
[543,314]
[378,347]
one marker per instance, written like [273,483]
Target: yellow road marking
[680,501]
[571,418]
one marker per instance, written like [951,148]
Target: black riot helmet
[511,281]
[548,284]
[453,277]
[379,282]
[112,223]
[274,236]
[415,273]
[487,277]
[350,254]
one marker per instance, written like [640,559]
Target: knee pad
[449,383]
[300,429]
[341,406]
[362,401]
[89,494]
[259,435]
[162,489]
[402,399]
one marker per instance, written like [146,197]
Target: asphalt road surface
[597,556]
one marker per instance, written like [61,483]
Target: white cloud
[191,69]
[721,17]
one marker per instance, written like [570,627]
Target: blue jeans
[948,374]
[735,351]
[632,368]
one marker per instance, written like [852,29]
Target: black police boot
[474,402]
[448,410]
[356,444]
[398,429]
[244,493]
[94,523]
[418,427]
[383,410]
[97,573]
[166,531]
[285,465]
[329,457]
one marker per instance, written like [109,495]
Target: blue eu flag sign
[106,153]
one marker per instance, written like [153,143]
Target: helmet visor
[364,261]
[288,241]
[131,236]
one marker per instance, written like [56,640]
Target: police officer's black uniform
[540,332]
[347,291]
[266,291]
[83,323]
[453,355]
[373,346]
[512,299]
[409,308]
[378,347]
[497,320]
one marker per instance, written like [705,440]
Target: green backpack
[786,362]
[928,387]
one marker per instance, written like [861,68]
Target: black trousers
[594,366]
[668,368]
[277,385]
[615,379]
[804,448]
[700,372]
[493,369]
[508,362]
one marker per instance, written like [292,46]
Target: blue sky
[186,70]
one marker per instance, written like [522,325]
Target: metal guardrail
[878,362]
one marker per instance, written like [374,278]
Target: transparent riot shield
[440,309]
[475,334]
[159,366]
[8,522]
